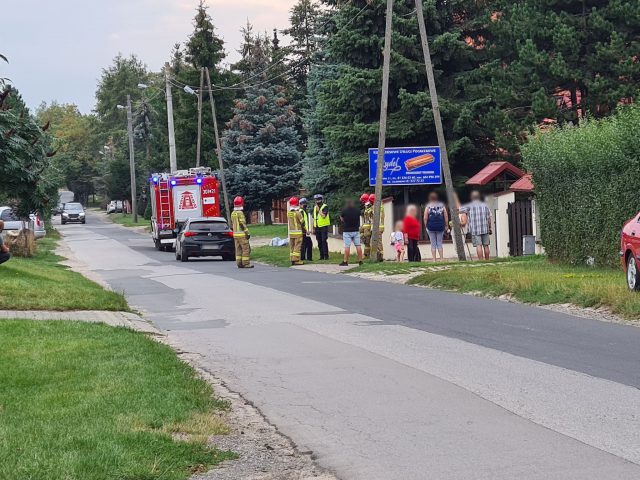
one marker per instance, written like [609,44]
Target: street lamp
[132,161]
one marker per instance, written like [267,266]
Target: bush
[147,211]
[586,180]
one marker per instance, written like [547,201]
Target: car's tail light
[190,234]
[229,233]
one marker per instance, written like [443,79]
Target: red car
[630,251]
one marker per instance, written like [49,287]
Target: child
[397,240]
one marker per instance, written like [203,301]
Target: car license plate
[211,247]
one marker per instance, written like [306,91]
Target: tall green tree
[25,157]
[202,49]
[346,86]
[261,143]
[555,61]
[76,161]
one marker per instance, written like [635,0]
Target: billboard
[407,166]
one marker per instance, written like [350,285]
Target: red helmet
[293,201]
[364,198]
[372,198]
[238,202]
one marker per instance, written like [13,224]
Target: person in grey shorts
[350,217]
[479,224]
[436,220]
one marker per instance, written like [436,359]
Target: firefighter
[379,249]
[367,221]
[307,244]
[240,234]
[297,230]
[321,222]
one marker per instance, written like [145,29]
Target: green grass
[81,401]
[536,280]
[279,256]
[268,231]
[127,220]
[41,283]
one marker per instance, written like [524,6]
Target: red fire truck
[178,196]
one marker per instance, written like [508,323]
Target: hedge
[587,184]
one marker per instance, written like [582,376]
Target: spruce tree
[203,49]
[346,98]
[261,144]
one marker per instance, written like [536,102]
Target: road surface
[384,381]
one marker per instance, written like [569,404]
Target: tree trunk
[267,215]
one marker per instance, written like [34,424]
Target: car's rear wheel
[183,256]
[178,256]
[157,243]
[633,282]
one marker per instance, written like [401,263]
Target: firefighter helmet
[293,201]
[238,202]
[372,198]
[364,198]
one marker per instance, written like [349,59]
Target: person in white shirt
[397,240]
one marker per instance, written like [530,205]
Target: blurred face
[412,211]
[433,197]
[475,196]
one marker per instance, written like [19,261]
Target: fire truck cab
[178,196]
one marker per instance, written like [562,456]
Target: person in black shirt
[350,218]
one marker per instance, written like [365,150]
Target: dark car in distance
[205,237]
[73,212]
[630,251]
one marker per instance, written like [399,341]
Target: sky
[57,49]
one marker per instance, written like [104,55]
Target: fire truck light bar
[155,179]
[173,183]
[199,180]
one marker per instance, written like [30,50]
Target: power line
[237,86]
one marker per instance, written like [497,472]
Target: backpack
[435,220]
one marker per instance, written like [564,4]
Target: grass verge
[394,268]
[127,220]
[536,280]
[41,283]
[279,256]
[81,401]
[268,231]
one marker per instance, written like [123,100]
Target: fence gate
[520,223]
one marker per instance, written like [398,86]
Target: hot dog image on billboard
[417,162]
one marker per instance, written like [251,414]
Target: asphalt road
[385,381]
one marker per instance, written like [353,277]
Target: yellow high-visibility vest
[319,220]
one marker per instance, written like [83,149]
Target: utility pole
[218,148]
[173,163]
[377,205]
[200,117]
[451,198]
[132,161]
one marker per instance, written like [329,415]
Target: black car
[205,237]
[73,212]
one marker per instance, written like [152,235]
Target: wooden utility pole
[377,205]
[200,117]
[132,162]
[446,170]
[218,148]
[173,164]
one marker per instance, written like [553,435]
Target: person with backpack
[436,220]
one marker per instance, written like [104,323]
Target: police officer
[240,234]
[367,221]
[379,250]
[297,231]
[307,244]
[321,222]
